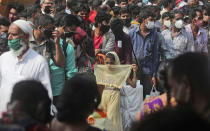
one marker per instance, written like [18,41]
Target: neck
[97,32]
[20,57]
[143,28]
[194,27]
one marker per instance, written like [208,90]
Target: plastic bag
[154,91]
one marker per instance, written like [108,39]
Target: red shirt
[92,16]
[98,41]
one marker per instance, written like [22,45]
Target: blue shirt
[58,75]
[146,50]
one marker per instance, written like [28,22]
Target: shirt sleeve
[70,67]
[155,55]
[129,52]
[44,77]
[205,43]
[110,44]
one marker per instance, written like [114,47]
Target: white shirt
[32,66]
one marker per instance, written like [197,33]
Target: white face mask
[179,24]
[167,23]
[150,25]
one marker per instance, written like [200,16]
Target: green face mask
[14,44]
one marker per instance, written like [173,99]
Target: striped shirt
[146,50]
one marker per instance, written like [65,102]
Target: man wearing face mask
[145,46]
[104,39]
[48,7]
[123,46]
[177,39]
[63,24]
[4,26]
[197,34]
[47,41]
[125,16]
[21,62]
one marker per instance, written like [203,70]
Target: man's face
[13,15]
[148,19]
[3,29]
[40,32]
[125,16]
[123,4]
[47,3]
[193,2]
[14,32]
[177,17]
[83,14]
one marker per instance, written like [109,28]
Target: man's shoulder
[36,56]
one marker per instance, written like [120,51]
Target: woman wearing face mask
[176,39]
[103,38]
[112,76]
[197,34]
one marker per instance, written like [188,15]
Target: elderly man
[48,7]
[21,62]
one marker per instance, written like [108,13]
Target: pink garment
[79,36]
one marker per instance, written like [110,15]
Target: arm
[132,82]
[155,58]
[44,77]
[70,67]
[59,58]
[109,46]
[128,53]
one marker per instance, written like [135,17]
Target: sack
[154,91]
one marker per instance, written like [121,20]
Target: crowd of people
[111,65]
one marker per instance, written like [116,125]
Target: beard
[19,51]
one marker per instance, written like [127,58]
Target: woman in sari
[112,76]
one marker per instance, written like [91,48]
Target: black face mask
[48,33]
[104,28]
[69,34]
[47,9]
[3,35]
[127,22]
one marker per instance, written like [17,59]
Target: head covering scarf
[25,27]
[113,76]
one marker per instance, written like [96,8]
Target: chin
[20,51]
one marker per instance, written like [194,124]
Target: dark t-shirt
[90,128]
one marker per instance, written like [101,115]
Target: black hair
[135,11]
[4,21]
[125,10]
[193,67]
[43,20]
[116,25]
[111,3]
[166,3]
[17,6]
[116,10]
[31,94]
[166,14]
[120,1]
[172,119]
[71,3]
[163,85]
[67,20]
[96,3]
[144,14]
[32,9]
[101,16]
[23,14]
[177,12]
[192,12]
[110,56]
[58,17]
[78,99]
[84,7]
[60,8]
[207,8]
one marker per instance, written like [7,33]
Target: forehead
[12,10]
[14,29]
[48,1]
[198,13]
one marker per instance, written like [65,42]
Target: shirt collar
[139,31]
[27,53]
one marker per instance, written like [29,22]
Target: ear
[39,27]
